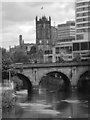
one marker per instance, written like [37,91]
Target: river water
[49,104]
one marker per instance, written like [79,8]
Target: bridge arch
[58,76]
[83,83]
[26,82]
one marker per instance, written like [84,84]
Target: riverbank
[0,101]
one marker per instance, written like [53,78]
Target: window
[83,25]
[83,14]
[82,19]
[79,37]
[82,4]
[72,24]
[83,30]
[57,50]
[88,29]
[48,52]
[75,46]
[84,46]
[82,9]
[89,45]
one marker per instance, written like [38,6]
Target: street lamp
[48,51]
[40,44]
[40,51]
[35,75]
[9,75]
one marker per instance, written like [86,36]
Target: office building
[81,44]
[66,32]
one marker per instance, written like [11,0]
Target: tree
[6,59]
[33,50]
[77,58]
[17,83]
[36,55]
[20,56]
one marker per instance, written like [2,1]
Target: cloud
[19,18]
[37,1]
[20,12]
[11,34]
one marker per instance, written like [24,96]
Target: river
[49,104]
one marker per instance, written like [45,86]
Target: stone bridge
[72,70]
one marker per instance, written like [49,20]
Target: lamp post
[48,51]
[35,76]
[9,76]
[40,50]
[40,44]
[9,82]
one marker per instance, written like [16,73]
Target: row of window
[83,30]
[86,55]
[83,9]
[82,4]
[83,14]
[79,37]
[83,19]
[81,46]
[67,49]
[48,52]
[67,36]
[67,24]
[83,25]
[67,40]
[66,30]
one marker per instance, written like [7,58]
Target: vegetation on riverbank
[10,108]
[8,100]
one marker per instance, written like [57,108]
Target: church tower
[43,32]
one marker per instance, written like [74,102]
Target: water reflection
[49,104]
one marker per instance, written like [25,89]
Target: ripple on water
[74,101]
[40,108]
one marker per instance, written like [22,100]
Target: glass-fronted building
[81,44]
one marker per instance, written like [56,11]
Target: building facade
[54,35]
[81,44]
[62,48]
[66,32]
[25,47]
[43,33]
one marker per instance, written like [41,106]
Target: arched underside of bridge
[26,82]
[56,80]
[83,84]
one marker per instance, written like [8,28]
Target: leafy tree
[33,50]
[20,56]
[17,83]
[77,58]
[6,59]
[35,55]
[40,56]
[8,101]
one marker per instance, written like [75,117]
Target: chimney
[20,40]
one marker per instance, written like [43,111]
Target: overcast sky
[19,18]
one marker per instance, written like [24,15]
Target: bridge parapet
[47,65]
